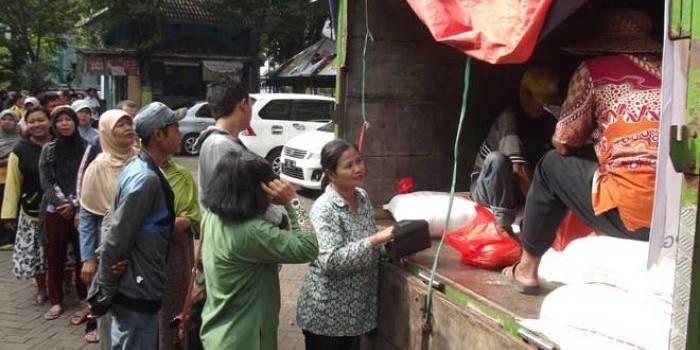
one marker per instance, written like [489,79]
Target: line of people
[131,215]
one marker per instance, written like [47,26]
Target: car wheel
[188,145]
[274,157]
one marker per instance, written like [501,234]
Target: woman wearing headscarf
[97,191]
[22,198]
[9,137]
[58,168]
[180,254]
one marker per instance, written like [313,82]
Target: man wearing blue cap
[138,230]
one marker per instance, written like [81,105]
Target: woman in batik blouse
[338,301]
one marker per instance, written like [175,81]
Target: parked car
[276,118]
[195,121]
[301,158]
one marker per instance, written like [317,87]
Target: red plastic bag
[482,245]
[504,31]
[405,185]
[570,229]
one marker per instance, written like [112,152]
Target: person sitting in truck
[518,138]
[615,100]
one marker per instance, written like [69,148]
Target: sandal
[509,274]
[54,312]
[92,337]
[79,317]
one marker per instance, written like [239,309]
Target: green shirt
[243,293]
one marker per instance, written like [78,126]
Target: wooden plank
[455,327]
[484,286]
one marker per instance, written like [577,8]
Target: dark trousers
[494,186]
[60,233]
[322,342]
[563,183]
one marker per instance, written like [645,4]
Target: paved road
[22,325]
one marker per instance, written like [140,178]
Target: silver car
[196,120]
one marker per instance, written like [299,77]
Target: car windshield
[327,128]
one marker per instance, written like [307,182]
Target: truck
[408,87]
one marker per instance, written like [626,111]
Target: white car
[301,158]
[279,117]
[276,118]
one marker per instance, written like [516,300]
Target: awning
[504,31]
[315,60]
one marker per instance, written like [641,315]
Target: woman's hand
[66,210]
[87,272]
[280,191]
[382,237]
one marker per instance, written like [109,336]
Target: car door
[309,115]
[272,127]
[203,118]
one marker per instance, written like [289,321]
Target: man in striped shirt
[517,139]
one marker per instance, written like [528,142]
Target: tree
[33,32]
[286,26]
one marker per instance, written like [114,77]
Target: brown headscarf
[100,180]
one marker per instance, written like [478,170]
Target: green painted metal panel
[690,188]
[341,54]
[685,156]
[680,19]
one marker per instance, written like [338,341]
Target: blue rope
[465,93]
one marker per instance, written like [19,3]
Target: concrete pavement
[22,325]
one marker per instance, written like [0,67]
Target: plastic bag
[431,207]
[570,229]
[504,31]
[481,244]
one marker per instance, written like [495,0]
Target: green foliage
[286,26]
[33,32]
[137,22]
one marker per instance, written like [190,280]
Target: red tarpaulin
[495,31]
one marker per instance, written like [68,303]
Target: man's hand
[280,192]
[523,176]
[181,229]
[562,149]
[87,272]
[66,211]
[117,270]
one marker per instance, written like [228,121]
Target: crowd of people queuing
[113,198]
[111,204]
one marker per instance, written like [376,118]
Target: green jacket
[243,292]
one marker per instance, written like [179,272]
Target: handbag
[196,292]
[410,236]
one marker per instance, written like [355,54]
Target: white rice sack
[432,207]
[599,316]
[609,260]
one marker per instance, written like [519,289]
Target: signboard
[213,70]
[115,66]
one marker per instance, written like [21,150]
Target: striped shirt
[503,137]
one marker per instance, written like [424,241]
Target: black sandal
[509,275]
